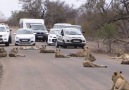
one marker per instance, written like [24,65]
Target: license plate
[24,40]
[76,41]
[40,36]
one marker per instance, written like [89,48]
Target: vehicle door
[60,36]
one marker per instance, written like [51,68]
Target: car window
[38,27]
[2,29]
[54,32]
[24,32]
[72,32]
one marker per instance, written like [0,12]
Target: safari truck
[38,27]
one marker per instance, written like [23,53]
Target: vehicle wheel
[10,39]
[64,46]
[57,45]
[75,46]
[7,43]
[16,44]
[34,44]
[82,47]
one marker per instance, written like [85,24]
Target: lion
[14,53]
[82,53]
[121,55]
[89,62]
[119,82]
[3,52]
[29,48]
[58,54]
[125,62]
[45,50]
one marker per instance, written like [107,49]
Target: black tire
[10,39]
[16,44]
[7,43]
[64,46]
[75,46]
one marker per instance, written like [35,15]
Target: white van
[38,27]
[70,37]
[25,22]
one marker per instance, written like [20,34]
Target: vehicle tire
[34,44]
[82,47]
[16,44]
[75,46]
[64,46]
[10,39]
[7,43]
[57,45]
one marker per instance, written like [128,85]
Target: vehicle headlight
[68,37]
[4,35]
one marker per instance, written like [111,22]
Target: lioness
[45,50]
[125,62]
[14,53]
[29,48]
[89,62]
[82,53]
[119,82]
[3,52]
[58,54]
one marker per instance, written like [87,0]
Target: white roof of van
[31,20]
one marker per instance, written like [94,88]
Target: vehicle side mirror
[14,33]
[10,30]
[83,31]
[62,33]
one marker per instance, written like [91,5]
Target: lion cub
[45,50]
[14,53]
[82,53]
[3,52]
[58,54]
[89,62]
[119,82]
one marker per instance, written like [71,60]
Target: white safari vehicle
[5,35]
[24,37]
[70,37]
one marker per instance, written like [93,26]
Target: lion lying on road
[119,82]
[89,62]
[45,50]
[3,52]
[82,53]
[14,53]
[58,54]
[29,48]
[125,62]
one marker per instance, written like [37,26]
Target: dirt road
[45,72]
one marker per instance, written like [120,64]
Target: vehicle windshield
[2,29]
[76,27]
[72,32]
[54,32]
[24,32]
[38,27]
[59,26]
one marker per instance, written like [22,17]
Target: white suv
[70,37]
[5,35]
